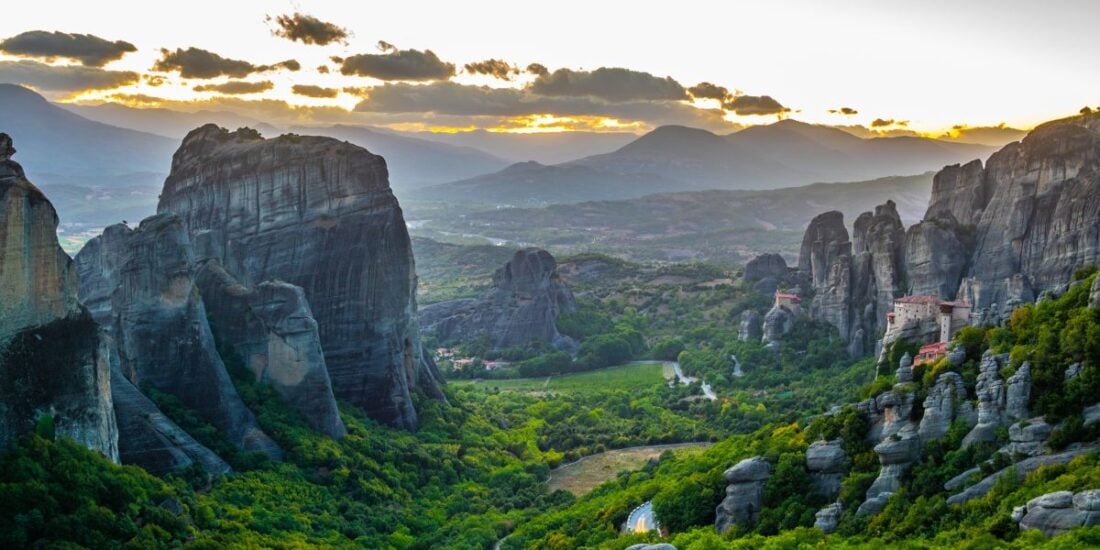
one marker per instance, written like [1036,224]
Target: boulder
[273,334]
[54,361]
[520,307]
[826,463]
[317,213]
[827,518]
[1028,437]
[1056,513]
[896,454]
[751,328]
[778,322]
[744,494]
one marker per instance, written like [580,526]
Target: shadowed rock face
[160,325]
[53,359]
[855,281]
[744,494]
[319,214]
[521,307]
[273,334]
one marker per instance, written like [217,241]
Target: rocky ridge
[54,361]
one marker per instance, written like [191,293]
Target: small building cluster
[926,317]
[789,301]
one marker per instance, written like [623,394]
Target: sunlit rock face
[160,325]
[319,214]
[54,362]
[520,308]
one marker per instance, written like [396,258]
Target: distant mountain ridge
[61,147]
[678,158]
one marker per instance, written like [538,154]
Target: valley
[325,287]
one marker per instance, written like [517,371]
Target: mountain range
[677,158]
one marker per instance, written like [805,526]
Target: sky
[911,66]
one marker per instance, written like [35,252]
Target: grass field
[586,474]
[631,376]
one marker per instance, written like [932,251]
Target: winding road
[641,520]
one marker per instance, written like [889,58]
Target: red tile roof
[782,295]
[938,347]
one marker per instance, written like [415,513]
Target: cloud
[884,122]
[754,105]
[384,46]
[867,133]
[998,135]
[89,50]
[612,84]
[199,63]
[706,90]
[236,87]
[399,65]
[494,68]
[846,111]
[310,90]
[452,99]
[538,69]
[323,69]
[309,30]
[66,78]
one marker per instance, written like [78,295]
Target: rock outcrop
[1028,438]
[827,518]
[777,322]
[826,463]
[766,272]
[751,328]
[744,494]
[54,362]
[896,454]
[273,334]
[1000,402]
[150,439]
[159,323]
[519,308]
[855,281]
[1056,513]
[945,403]
[1019,470]
[319,214]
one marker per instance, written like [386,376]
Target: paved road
[641,520]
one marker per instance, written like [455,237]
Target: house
[930,353]
[953,316]
[790,302]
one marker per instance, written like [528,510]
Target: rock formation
[150,439]
[946,402]
[273,334]
[520,308]
[751,328]
[744,494]
[1056,513]
[766,271]
[777,322]
[855,281]
[896,454]
[827,518]
[54,362]
[1027,438]
[826,463]
[159,323]
[319,214]
[999,402]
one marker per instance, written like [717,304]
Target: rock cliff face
[1033,212]
[520,308]
[273,334]
[319,214]
[751,328]
[766,271]
[159,323]
[855,281]
[53,359]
